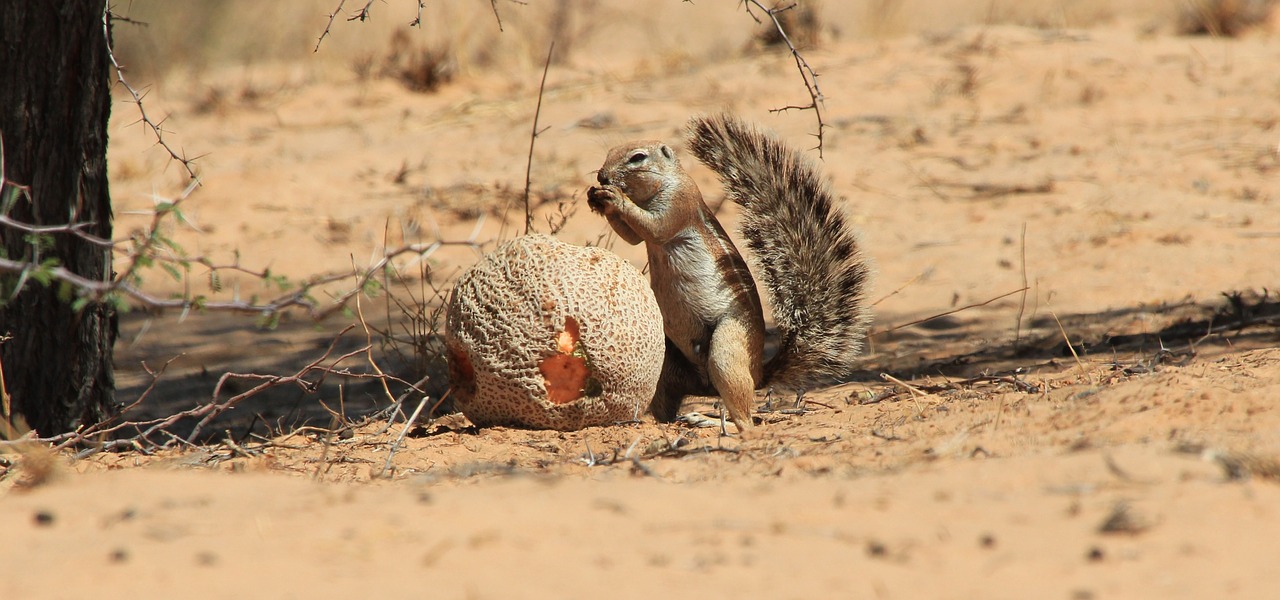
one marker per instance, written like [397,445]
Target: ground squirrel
[806,254]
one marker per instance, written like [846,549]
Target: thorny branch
[154,126]
[363,14]
[148,244]
[146,251]
[301,297]
[214,408]
[807,74]
[309,378]
[76,229]
[417,20]
[329,25]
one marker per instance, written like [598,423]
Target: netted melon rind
[503,317]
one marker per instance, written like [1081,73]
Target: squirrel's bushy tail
[806,254]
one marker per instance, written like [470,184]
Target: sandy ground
[1143,167]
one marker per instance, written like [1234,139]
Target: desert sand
[1126,175]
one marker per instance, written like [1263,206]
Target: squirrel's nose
[602,177]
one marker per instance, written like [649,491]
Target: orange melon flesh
[564,374]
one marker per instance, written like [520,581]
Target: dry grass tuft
[420,69]
[36,466]
[1229,18]
[802,22]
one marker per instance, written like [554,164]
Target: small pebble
[876,549]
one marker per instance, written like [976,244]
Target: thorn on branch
[362,15]
[328,25]
[137,99]
[417,20]
[113,17]
[807,74]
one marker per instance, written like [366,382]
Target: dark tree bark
[55,97]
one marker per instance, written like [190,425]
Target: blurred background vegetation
[193,36]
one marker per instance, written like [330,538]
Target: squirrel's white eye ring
[637,158]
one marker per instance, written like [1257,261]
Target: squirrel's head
[641,169]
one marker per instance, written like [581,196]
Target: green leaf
[44,273]
[8,199]
[118,302]
[170,244]
[41,241]
[172,271]
[177,214]
[269,320]
[65,291]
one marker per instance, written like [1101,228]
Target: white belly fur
[685,280]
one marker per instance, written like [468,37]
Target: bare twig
[952,385]
[329,25]
[362,15]
[6,406]
[950,312]
[995,190]
[309,378]
[400,438]
[137,98]
[417,20]
[300,297]
[494,4]
[533,137]
[807,74]
[214,408]
[902,287]
[206,412]
[1022,306]
[76,229]
[390,411]
[915,392]
[1070,346]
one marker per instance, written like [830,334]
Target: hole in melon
[460,370]
[566,373]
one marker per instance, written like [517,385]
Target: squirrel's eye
[637,158]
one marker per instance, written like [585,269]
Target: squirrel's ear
[667,152]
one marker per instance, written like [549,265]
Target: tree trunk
[55,97]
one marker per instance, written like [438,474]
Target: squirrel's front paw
[603,199]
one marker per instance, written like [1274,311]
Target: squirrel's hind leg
[733,365]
